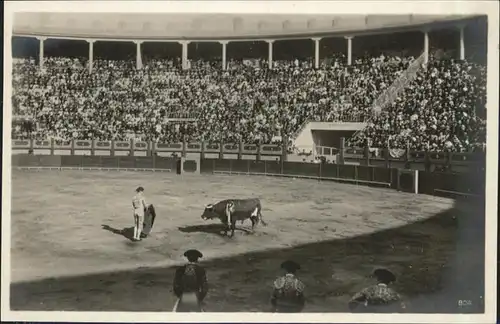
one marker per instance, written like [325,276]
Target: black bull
[230,211]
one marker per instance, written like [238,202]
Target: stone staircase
[398,85]
[294,136]
[395,89]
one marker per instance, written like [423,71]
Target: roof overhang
[213,27]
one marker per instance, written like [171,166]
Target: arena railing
[148,148]
[327,151]
[421,160]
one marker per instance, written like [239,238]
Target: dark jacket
[191,278]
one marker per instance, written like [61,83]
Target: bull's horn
[209,206]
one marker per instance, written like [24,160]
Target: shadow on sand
[210,229]
[127,232]
[438,261]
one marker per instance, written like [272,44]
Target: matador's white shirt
[139,204]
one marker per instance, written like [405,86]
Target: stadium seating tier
[439,110]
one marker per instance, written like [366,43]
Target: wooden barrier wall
[94,162]
[433,183]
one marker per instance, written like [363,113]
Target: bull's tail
[261,219]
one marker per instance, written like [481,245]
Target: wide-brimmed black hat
[290,266]
[384,275]
[139,189]
[193,254]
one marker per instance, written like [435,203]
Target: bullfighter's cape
[149,219]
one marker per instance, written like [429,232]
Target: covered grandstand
[414,80]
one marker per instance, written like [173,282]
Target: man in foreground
[288,293]
[378,298]
[190,284]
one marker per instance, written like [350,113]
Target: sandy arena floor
[68,254]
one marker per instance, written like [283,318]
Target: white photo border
[489,8]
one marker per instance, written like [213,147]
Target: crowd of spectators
[247,101]
[440,110]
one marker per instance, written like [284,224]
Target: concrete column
[184,54]
[41,54]
[426,47]
[316,52]
[349,49]
[224,51]
[91,54]
[270,53]
[462,42]
[138,55]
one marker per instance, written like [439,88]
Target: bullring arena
[342,191]
[65,237]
